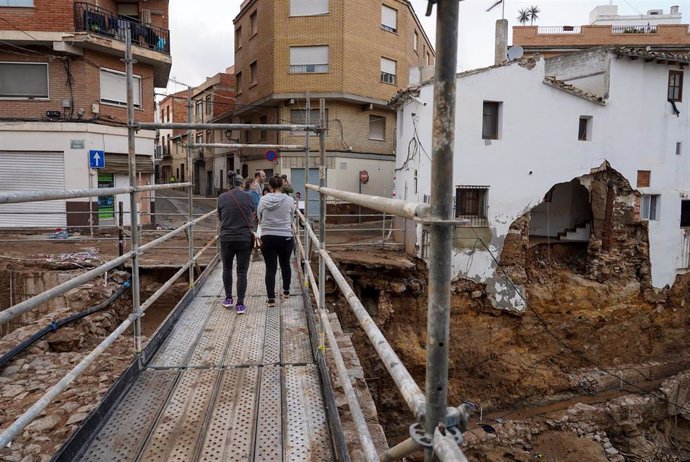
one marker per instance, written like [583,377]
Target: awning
[119,163]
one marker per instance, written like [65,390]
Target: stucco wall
[539,148]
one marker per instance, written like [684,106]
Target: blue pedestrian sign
[96,159]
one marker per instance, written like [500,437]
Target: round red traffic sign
[364,176]
[271,155]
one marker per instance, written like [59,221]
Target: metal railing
[546,30]
[648,29]
[99,21]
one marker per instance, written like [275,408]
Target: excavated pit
[28,375]
[592,370]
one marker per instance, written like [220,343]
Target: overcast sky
[202,30]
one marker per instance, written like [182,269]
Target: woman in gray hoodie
[275,214]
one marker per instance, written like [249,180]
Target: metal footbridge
[225,387]
[211,385]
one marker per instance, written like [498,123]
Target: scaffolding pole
[441,235]
[190,190]
[323,175]
[307,242]
[134,195]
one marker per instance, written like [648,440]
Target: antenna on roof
[503,8]
[515,52]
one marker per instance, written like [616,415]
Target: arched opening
[565,215]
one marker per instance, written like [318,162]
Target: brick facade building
[662,32]
[63,89]
[355,54]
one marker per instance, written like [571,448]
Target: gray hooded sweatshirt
[275,215]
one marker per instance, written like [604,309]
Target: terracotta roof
[561,85]
[656,56]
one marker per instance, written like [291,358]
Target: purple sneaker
[240,308]
[228,302]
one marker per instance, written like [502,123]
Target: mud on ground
[581,341]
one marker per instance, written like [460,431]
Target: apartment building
[172,108]
[63,97]
[659,30]
[585,153]
[212,101]
[355,55]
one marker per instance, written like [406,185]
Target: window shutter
[388,66]
[114,88]
[389,17]
[24,80]
[308,7]
[300,56]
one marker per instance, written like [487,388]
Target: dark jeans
[228,251]
[276,248]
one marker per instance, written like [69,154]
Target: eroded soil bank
[592,370]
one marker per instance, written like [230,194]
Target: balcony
[99,21]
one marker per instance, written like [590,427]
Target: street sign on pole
[96,159]
[271,155]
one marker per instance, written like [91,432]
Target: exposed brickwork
[85,88]
[671,35]
[352,30]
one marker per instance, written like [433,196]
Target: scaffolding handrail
[16,197]
[413,395]
[358,418]
[35,410]
[37,300]
[214,126]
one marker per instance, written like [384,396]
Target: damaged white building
[588,149]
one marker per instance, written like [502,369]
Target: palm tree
[533,14]
[523,17]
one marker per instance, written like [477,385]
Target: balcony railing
[559,30]
[555,30]
[633,29]
[99,21]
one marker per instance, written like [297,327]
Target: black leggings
[276,248]
[243,250]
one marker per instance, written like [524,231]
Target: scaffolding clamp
[420,437]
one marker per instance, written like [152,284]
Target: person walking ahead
[236,215]
[275,216]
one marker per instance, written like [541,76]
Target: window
[388,67]
[181,172]
[377,128]
[650,207]
[471,203]
[167,114]
[679,148]
[643,178]
[131,11]
[308,7]
[584,129]
[675,85]
[209,136]
[238,37]
[252,24]
[209,106]
[415,41]
[114,88]
[428,58]
[198,109]
[16,2]
[23,80]
[238,81]
[491,122]
[684,214]
[389,19]
[252,73]
[307,60]
[263,134]
[299,117]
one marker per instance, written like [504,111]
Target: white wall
[44,136]
[539,148]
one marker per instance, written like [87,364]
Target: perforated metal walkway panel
[225,387]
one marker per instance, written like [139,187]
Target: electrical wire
[563,344]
